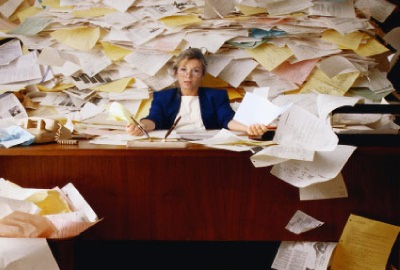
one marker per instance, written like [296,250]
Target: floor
[173,255]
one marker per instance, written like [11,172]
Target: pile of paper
[43,213]
[364,244]
[28,217]
[68,59]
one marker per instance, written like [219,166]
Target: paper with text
[301,222]
[364,244]
[303,255]
[325,166]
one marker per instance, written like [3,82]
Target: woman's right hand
[133,129]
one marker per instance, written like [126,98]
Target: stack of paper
[69,59]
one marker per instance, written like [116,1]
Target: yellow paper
[54,4]
[50,202]
[248,10]
[372,47]
[21,7]
[144,109]
[269,55]
[337,85]
[93,12]
[117,86]
[211,81]
[234,94]
[82,38]
[349,41]
[56,88]
[28,12]
[174,21]
[113,52]
[364,244]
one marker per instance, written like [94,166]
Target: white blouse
[190,113]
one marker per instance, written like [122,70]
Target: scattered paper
[301,222]
[303,255]
[364,244]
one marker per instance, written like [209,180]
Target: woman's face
[189,75]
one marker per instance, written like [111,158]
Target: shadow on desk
[92,254]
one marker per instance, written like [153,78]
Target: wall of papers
[69,59]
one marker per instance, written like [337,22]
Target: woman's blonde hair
[189,54]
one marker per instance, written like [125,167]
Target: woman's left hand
[257,129]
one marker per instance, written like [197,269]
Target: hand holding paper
[120,112]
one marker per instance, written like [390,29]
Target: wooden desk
[200,193]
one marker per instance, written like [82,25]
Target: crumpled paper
[46,213]
[15,135]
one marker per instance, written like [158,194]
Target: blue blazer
[216,111]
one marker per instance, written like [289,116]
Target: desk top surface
[85,148]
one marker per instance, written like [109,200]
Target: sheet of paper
[327,103]
[300,128]
[276,84]
[179,21]
[364,244]
[275,154]
[256,110]
[80,38]
[212,41]
[335,188]
[9,7]
[301,222]
[325,166]
[296,72]
[159,11]
[227,137]
[10,51]
[166,43]
[120,5]
[26,253]
[216,9]
[303,255]
[346,25]
[7,206]
[31,26]
[343,9]
[321,83]
[286,7]
[23,68]
[269,55]
[216,63]
[381,9]
[305,49]
[237,71]
[10,106]
[350,41]
[334,65]
[21,224]
[148,62]
[371,47]
[306,101]
[140,35]
[92,62]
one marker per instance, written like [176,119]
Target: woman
[199,107]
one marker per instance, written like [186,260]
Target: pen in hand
[172,128]
[141,128]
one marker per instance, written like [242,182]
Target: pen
[172,128]
[141,128]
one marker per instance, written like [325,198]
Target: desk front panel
[201,194]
